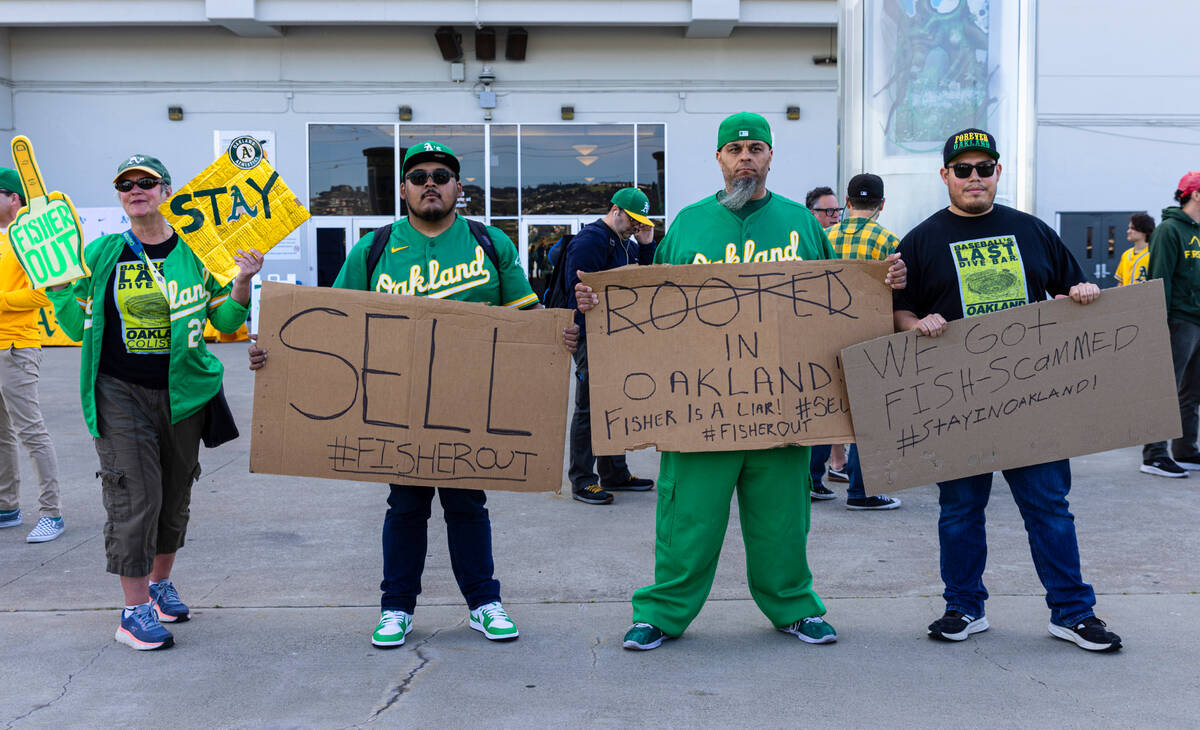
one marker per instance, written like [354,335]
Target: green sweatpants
[694,492]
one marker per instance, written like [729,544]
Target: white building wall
[88,97]
[1118,104]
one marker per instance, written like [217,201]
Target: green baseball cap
[635,203]
[743,126]
[11,181]
[145,163]
[430,152]
[967,140]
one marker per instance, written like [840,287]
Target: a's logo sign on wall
[245,152]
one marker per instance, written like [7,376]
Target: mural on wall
[937,53]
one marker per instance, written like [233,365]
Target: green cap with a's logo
[11,181]
[635,203]
[430,152]
[145,163]
[743,127]
[967,141]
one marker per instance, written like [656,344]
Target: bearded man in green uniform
[741,224]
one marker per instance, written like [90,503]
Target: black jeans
[612,468]
[1185,355]
[468,532]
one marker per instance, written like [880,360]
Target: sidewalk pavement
[282,576]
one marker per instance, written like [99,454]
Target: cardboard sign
[1020,386]
[409,390]
[46,235]
[238,201]
[718,357]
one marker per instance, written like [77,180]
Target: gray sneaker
[10,518]
[47,529]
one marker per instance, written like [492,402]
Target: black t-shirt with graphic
[959,266]
[137,320]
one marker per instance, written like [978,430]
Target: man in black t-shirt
[972,258]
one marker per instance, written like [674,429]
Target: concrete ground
[282,576]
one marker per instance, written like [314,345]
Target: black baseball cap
[865,186]
[967,140]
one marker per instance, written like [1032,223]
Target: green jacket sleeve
[514,285]
[226,314]
[1164,257]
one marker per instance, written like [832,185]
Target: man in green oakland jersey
[434,253]
[743,223]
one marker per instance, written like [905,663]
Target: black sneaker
[632,484]
[956,626]
[838,475]
[1163,467]
[592,494]
[820,491]
[1090,633]
[879,501]
[1191,462]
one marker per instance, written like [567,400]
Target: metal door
[1097,240]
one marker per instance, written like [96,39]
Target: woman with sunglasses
[145,379]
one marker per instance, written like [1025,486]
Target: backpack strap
[383,233]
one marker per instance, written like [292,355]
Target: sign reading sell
[239,201]
[46,235]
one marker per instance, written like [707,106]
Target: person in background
[20,366]
[1175,258]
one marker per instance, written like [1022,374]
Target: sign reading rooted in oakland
[717,357]
[238,201]
[1016,387]
[428,392]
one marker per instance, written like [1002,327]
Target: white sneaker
[47,529]
[493,622]
[393,627]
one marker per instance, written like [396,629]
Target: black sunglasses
[962,170]
[145,183]
[828,211]
[440,176]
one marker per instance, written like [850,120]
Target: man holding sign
[971,258]
[743,223]
[433,252]
[20,363]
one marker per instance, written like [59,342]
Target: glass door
[538,236]
[332,237]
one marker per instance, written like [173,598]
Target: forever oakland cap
[635,203]
[743,126]
[145,163]
[967,140]
[430,152]
[11,181]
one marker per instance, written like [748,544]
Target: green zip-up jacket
[194,374]
[1175,258]
[708,233]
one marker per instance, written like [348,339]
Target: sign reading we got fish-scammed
[239,201]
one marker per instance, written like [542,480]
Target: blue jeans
[468,532]
[820,455]
[613,469]
[1040,492]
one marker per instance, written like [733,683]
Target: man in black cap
[859,236]
[1023,260]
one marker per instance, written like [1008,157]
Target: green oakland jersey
[451,265]
[708,232]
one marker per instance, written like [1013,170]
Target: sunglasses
[145,183]
[440,177]
[962,170]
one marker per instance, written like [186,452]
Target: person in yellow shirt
[1135,262]
[20,362]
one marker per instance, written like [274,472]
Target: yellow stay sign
[238,201]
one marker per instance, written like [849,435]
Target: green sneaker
[644,637]
[813,630]
[393,627]
[492,621]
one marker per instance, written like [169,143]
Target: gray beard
[743,190]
